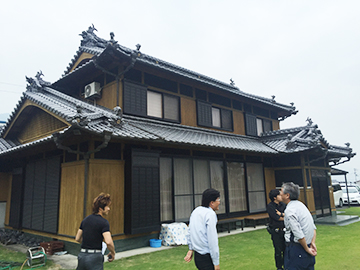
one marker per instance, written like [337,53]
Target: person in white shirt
[300,231]
[203,238]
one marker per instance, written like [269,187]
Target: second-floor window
[254,125]
[212,116]
[138,100]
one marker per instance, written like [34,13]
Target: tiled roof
[301,139]
[97,119]
[98,46]
[179,134]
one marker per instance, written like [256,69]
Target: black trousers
[203,262]
[278,240]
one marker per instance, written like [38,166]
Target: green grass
[338,248]
[14,256]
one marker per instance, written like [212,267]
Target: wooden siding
[83,56]
[5,185]
[239,123]
[109,96]
[39,125]
[188,112]
[108,176]
[269,181]
[5,193]
[310,199]
[332,202]
[275,124]
[71,203]
[21,124]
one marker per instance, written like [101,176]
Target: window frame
[163,106]
[135,101]
[250,127]
[200,103]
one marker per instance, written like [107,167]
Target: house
[154,135]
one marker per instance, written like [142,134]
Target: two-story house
[154,135]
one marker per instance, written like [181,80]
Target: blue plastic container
[155,243]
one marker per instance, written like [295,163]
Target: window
[236,184]
[210,116]
[166,204]
[138,100]
[154,104]
[254,126]
[190,179]
[256,187]
[162,106]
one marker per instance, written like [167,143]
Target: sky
[300,51]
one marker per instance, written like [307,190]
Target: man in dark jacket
[276,210]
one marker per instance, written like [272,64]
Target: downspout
[86,155]
[304,180]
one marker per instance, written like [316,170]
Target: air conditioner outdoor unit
[92,90]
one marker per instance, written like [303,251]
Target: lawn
[338,248]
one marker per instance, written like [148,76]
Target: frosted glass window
[201,176]
[259,126]
[237,189]
[171,108]
[216,122]
[154,104]
[256,187]
[184,206]
[217,182]
[166,205]
[182,176]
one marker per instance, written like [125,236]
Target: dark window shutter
[204,114]
[28,195]
[135,99]
[250,125]
[52,194]
[267,125]
[16,193]
[144,191]
[37,219]
[41,195]
[226,119]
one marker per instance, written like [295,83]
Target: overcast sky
[306,52]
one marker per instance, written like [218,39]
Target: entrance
[321,193]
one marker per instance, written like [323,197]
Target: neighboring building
[154,136]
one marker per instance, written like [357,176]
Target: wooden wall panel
[310,199]
[276,125]
[239,123]
[109,96]
[188,112]
[269,181]
[332,202]
[71,197]
[108,176]
[83,56]
[5,193]
[39,125]
[5,185]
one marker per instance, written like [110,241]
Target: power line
[12,84]
[12,92]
